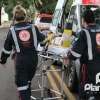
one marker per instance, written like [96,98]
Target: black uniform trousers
[25,67]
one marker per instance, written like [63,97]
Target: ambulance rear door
[57,17]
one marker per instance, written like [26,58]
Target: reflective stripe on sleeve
[89,44]
[34,37]
[15,39]
[22,88]
[75,54]
[6,51]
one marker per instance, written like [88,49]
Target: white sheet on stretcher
[58,50]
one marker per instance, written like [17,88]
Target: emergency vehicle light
[96,2]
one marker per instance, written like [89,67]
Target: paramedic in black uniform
[22,38]
[87,48]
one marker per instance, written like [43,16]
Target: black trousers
[25,68]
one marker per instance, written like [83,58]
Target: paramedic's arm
[7,48]
[40,36]
[78,47]
[42,39]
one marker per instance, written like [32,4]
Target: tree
[40,5]
[9,5]
[1,4]
[12,3]
[47,6]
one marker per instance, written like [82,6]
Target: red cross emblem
[24,35]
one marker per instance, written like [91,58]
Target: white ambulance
[77,8]
[72,25]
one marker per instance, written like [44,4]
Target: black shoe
[92,98]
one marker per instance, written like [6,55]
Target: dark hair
[88,16]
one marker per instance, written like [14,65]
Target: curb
[4,27]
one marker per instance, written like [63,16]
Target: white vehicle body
[78,8]
[74,20]
[59,14]
[73,23]
[43,21]
[4,16]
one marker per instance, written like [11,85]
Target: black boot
[91,98]
[24,95]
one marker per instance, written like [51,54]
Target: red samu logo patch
[98,39]
[24,35]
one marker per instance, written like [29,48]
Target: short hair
[19,13]
[88,16]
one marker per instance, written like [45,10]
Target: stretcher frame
[43,75]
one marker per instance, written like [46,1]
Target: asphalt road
[7,86]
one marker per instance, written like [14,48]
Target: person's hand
[50,36]
[3,63]
[66,61]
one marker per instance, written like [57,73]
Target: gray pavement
[7,86]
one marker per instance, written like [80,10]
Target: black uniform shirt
[80,47]
[25,39]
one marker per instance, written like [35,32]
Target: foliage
[45,5]
[40,5]
[49,5]
[10,4]
[69,5]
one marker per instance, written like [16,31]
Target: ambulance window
[69,20]
[56,19]
[72,13]
[75,23]
[73,19]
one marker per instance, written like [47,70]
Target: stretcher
[52,54]
[71,74]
